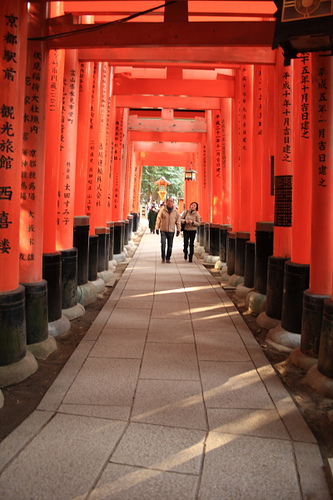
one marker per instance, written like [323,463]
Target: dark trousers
[166,237]
[189,237]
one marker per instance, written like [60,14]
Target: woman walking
[191,220]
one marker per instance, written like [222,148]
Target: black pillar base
[241,239]
[325,356]
[214,240]
[103,253]
[231,253]
[36,311]
[81,242]
[110,225]
[52,271]
[202,234]
[296,281]
[13,326]
[69,278]
[223,244]
[126,232]
[264,249]
[312,317]
[274,290]
[93,257]
[117,243]
[207,237]
[249,264]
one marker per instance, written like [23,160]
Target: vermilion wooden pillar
[128,188]
[85,90]
[118,192]
[66,184]
[202,179]
[226,159]
[296,272]
[82,221]
[111,144]
[135,208]
[321,258]
[244,82]
[91,189]
[246,143]
[32,186]
[13,23]
[109,141]
[217,178]
[282,189]
[52,257]
[209,165]
[267,127]
[102,170]
[236,154]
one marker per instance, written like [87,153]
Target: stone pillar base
[74,312]
[236,280]
[302,360]
[319,382]
[266,322]
[42,350]
[86,294]
[242,291]
[105,275]
[99,285]
[120,257]
[60,326]
[17,372]
[255,302]
[282,340]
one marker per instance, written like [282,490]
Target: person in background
[152,215]
[190,220]
[168,219]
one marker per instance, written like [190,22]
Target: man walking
[167,219]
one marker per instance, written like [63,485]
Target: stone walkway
[167,397]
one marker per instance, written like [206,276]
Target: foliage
[149,190]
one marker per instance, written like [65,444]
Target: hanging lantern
[303,26]
[190,174]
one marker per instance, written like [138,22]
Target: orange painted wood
[195,57]
[283,160]
[124,85]
[302,164]
[203,173]
[267,133]
[226,107]
[13,23]
[321,264]
[236,157]
[91,190]
[157,136]
[246,145]
[102,167]
[217,177]
[85,90]
[68,144]
[259,137]
[128,187]
[117,191]
[55,71]
[168,34]
[109,143]
[33,155]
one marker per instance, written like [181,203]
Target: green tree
[149,190]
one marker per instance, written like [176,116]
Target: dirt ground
[23,398]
